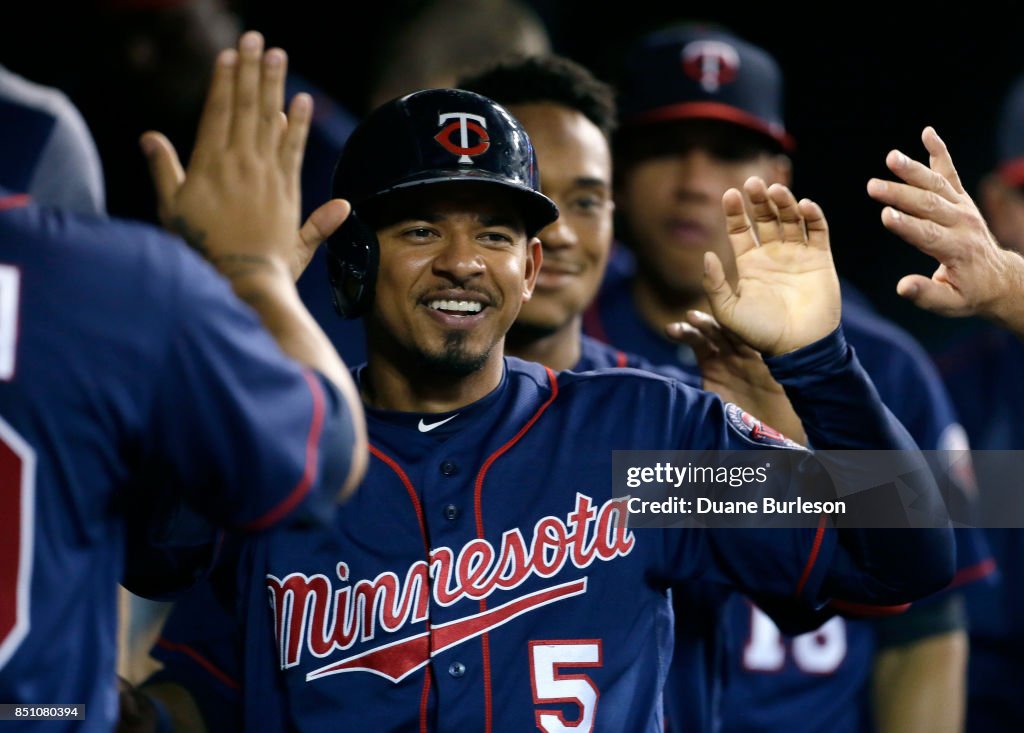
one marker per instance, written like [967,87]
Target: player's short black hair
[548,78]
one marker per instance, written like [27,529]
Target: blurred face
[454,272]
[672,177]
[575,167]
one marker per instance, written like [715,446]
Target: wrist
[1007,305]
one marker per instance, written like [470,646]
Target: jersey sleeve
[841,411]
[242,430]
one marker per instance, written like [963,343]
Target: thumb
[720,293]
[321,224]
[931,296]
[164,169]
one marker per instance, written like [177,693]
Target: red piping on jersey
[199,659]
[14,201]
[418,508]
[866,610]
[410,489]
[478,512]
[815,549]
[592,324]
[974,572]
[423,700]
[312,449]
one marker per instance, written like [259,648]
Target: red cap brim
[714,111]
[1012,172]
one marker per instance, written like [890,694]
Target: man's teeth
[460,306]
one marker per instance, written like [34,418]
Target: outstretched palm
[787,290]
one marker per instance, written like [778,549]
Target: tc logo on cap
[711,63]
[464,123]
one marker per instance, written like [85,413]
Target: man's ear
[781,170]
[534,258]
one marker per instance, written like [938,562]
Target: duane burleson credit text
[719,476]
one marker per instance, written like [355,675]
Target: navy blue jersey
[982,373]
[596,354]
[128,369]
[480,578]
[816,681]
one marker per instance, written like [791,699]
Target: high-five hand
[932,211]
[787,290]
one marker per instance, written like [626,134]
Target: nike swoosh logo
[426,427]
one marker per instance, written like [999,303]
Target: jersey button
[456,669]
[448,468]
[451,512]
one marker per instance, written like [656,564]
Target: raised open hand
[932,211]
[238,202]
[787,290]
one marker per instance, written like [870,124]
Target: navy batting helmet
[429,137]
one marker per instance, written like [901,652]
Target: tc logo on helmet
[464,123]
[712,63]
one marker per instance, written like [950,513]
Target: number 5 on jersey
[552,685]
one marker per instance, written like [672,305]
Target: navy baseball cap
[1010,136]
[702,72]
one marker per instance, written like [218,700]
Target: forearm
[139,624]
[271,293]
[919,687]
[842,414]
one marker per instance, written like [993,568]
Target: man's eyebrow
[591,182]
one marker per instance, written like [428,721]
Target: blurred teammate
[129,372]
[701,111]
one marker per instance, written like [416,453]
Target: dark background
[861,80]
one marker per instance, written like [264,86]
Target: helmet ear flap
[353,255]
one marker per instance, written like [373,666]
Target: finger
[293,144]
[164,168]
[717,288]
[939,158]
[246,116]
[930,295]
[706,324]
[215,122]
[815,223]
[919,175]
[737,223]
[321,224]
[684,333]
[766,218]
[790,218]
[915,201]
[275,66]
[926,235]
